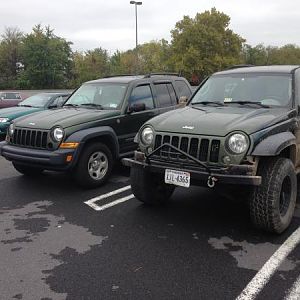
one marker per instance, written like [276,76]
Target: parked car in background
[95,127]
[9,99]
[30,105]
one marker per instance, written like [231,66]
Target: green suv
[239,131]
[95,127]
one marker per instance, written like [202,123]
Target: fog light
[149,150]
[226,160]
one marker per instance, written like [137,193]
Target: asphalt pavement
[58,241]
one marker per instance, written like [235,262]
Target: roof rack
[119,75]
[239,66]
[162,74]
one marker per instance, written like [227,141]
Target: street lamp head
[136,2]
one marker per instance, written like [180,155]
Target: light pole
[136,3]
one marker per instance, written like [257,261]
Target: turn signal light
[68,145]
[69,158]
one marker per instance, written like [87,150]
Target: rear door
[166,97]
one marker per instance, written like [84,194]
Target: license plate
[177,178]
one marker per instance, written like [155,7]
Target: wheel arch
[281,144]
[104,134]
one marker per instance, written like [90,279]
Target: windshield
[39,100]
[104,96]
[269,90]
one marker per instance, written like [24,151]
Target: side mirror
[183,101]
[136,107]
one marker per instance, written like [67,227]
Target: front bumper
[49,160]
[233,174]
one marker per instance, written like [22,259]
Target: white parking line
[92,201]
[270,267]
[294,292]
[105,206]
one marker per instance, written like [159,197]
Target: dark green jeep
[95,127]
[240,130]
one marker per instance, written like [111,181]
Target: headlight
[147,136]
[11,129]
[238,143]
[58,134]
[4,120]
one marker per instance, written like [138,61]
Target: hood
[218,121]
[17,111]
[64,117]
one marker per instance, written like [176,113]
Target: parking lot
[59,241]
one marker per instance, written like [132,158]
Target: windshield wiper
[99,106]
[210,102]
[70,105]
[25,105]
[249,103]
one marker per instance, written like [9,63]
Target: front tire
[149,188]
[94,166]
[272,204]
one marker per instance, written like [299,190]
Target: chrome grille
[204,149]
[30,138]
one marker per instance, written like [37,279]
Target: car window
[182,88]
[106,95]
[165,94]
[58,101]
[142,94]
[273,90]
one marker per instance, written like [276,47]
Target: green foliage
[10,56]
[205,44]
[261,55]
[90,65]
[46,59]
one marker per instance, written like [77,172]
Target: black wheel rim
[285,196]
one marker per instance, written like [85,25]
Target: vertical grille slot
[175,143]
[184,144]
[44,140]
[165,150]
[194,147]
[158,140]
[214,151]
[203,151]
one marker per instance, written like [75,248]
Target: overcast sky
[110,24]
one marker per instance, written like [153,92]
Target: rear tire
[149,188]
[272,204]
[26,170]
[94,166]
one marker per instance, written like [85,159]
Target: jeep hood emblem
[188,127]
[31,123]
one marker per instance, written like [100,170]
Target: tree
[89,65]
[10,56]
[154,57]
[46,59]
[205,44]
[257,55]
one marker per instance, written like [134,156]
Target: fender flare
[273,145]
[83,136]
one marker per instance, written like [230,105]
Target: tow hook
[211,181]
